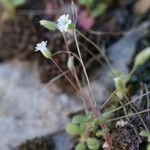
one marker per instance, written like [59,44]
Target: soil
[18,37]
[40,143]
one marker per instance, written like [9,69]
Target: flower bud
[119,87]
[142,57]
[70,63]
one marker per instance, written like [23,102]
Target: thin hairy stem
[74,73]
[132,101]
[83,96]
[84,70]
[122,117]
[97,47]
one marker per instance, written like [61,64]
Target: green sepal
[46,54]
[72,26]
[48,24]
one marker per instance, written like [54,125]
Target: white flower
[121,123]
[63,23]
[42,47]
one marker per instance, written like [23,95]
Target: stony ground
[28,108]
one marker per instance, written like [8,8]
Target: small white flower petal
[63,23]
[42,47]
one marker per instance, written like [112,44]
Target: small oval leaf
[73,129]
[79,119]
[93,144]
[80,146]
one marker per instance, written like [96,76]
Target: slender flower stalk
[74,73]
[96,46]
[97,113]
[84,70]
[83,96]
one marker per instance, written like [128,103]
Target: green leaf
[99,10]
[79,119]
[89,116]
[83,127]
[104,117]
[148,147]
[95,125]
[101,133]
[86,2]
[17,3]
[46,53]
[80,146]
[73,129]
[145,133]
[93,144]
[48,24]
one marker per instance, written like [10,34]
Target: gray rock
[28,108]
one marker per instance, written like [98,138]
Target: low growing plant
[90,127]
[87,130]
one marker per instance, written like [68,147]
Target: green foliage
[73,129]
[87,129]
[93,144]
[99,9]
[80,146]
[83,125]
[101,133]
[148,147]
[48,24]
[86,2]
[78,125]
[79,119]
